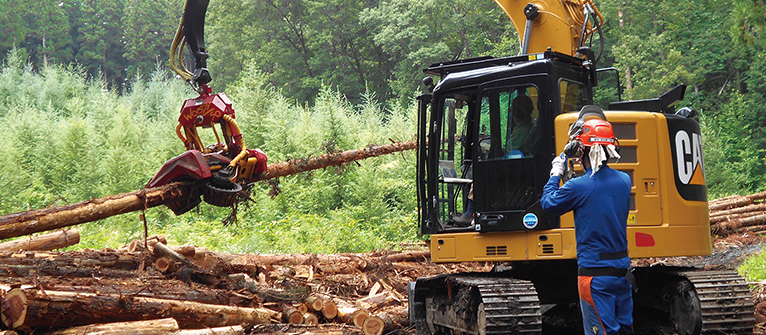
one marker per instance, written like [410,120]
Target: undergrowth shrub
[68,139]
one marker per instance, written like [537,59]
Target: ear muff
[573,148]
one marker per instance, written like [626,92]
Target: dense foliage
[89,108]
[68,139]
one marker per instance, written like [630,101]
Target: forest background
[89,108]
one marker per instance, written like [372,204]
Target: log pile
[738,214]
[126,290]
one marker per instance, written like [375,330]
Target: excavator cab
[487,139]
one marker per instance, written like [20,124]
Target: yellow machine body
[558,25]
[661,222]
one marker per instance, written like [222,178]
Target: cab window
[508,123]
[573,96]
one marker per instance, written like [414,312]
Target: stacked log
[119,291]
[738,214]
[44,242]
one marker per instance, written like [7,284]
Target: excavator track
[476,304]
[725,300]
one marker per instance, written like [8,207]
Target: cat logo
[689,163]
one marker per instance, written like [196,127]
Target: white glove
[558,166]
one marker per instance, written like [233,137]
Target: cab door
[512,159]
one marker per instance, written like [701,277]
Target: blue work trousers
[606,303]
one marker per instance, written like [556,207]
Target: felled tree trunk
[90,259]
[35,221]
[36,309]
[332,263]
[55,240]
[148,327]
[205,296]
[231,330]
[71,271]
[296,166]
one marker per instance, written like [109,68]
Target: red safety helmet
[597,131]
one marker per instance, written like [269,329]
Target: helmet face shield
[597,132]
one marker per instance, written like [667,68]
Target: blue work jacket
[600,203]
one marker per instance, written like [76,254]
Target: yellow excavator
[473,158]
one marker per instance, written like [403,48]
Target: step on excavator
[489,128]
[226,167]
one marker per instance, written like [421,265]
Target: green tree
[47,37]
[99,37]
[415,34]
[12,25]
[149,29]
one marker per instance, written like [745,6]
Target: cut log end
[164,264]
[310,319]
[302,308]
[14,309]
[373,325]
[315,303]
[329,310]
[292,315]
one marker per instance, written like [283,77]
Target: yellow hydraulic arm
[557,24]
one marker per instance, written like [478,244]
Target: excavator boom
[554,24]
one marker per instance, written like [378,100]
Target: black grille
[497,250]
[547,248]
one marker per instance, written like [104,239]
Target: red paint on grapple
[210,107]
[190,165]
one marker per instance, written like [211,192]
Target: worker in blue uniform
[600,200]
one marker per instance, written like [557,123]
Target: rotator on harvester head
[226,167]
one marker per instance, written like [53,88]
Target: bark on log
[231,330]
[44,242]
[738,202]
[329,264]
[296,166]
[737,210]
[56,309]
[205,296]
[409,256]
[738,223]
[728,217]
[141,245]
[35,221]
[101,259]
[147,327]
[71,271]
[196,273]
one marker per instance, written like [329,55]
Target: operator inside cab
[508,124]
